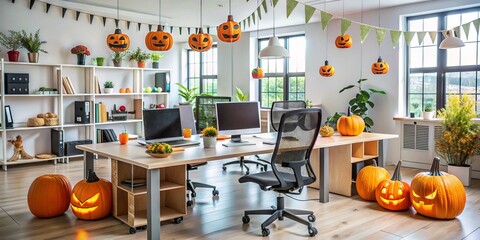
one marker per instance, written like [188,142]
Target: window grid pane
[202,71]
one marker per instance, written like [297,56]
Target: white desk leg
[382,144]
[87,163]
[323,186]
[153,204]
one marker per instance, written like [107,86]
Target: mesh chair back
[281,107]
[298,131]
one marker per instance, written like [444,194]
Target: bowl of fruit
[159,150]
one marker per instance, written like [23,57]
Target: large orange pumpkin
[437,194]
[200,42]
[257,73]
[118,42]
[343,41]
[229,31]
[394,194]
[49,195]
[159,40]
[368,179]
[91,199]
[327,70]
[350,125]
[380,67]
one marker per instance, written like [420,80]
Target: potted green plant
[117,58]
[13,42]
[428,111]
[33,44]
[140,56]
[460,137]
[209,137]
[155,59]
[188,95]
[241,97]
[108,87]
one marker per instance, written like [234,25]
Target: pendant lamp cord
[118,8]
[230,7]
[273,7]
[343,9]
[361,47]
[160,12]
[201,14]
[326,31]
[379,11]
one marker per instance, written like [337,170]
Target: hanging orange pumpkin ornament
[327,70]
[117,41]
[200,42]
[343,41]
[368,179]
[91,199]
[159,40]
[257,73]
[229,31]
[380,67]
[394,194]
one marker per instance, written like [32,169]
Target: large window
[202,71]
[284,78]
[434,73]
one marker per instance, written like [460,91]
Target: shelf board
[119,122]
[32,95]
[25,128]
[157,93]
[27,161]
[32,64]
[77,94]
[115,94]
[140,219]
[164,186]
[70,125]
[365,157]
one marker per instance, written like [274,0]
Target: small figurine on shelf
[119,114]
[18,150]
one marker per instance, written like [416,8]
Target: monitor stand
[236,141]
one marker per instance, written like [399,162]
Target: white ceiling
[186,13]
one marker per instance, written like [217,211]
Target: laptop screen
[162,123]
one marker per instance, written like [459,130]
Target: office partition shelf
[32,95]
[24,127]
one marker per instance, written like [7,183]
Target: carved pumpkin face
[229,31]
[437,194]
[327,70]
[91,199]
[394,194]
[257,73]
[200,42]
[159,40]
[368,179]
[380,67]
[344,41]
[118,42]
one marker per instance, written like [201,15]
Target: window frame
[201,76]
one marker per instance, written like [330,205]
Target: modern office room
[240,119]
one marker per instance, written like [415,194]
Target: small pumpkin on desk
[368,179]
[350,125]
[91,199]
[394,194]
[326,131]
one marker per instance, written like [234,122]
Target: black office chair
[291,169]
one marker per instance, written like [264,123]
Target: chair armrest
[297,170]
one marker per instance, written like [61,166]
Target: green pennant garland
[466,28]
[380,32]
[309,11]
[248,21]
[274,3]
[395,36]
[259,13]
[253,18]
[364,30]
[457,31]
[408,37]
[433,36]
[291,4]
[476,24]
[345,25]
[326,17]
[264,5]
[420,37]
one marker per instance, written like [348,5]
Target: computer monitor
[162,124]
[236,118]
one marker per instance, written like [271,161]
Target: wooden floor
[341,218]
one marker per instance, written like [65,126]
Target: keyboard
[179,143]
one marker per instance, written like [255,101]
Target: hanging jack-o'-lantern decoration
[343,41]
[380,67]
[118,42]
[229,31]
[159,40]
[327,70]
[49,195]
[200,42]
[257,73]
[394,194]
[368,179]
[91,199]
[437,194]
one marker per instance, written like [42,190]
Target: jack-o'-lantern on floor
[327,70]
[343,41]
[91,199]
[229,31]
[368,179]
[118,42]
[200,42]
[159,40]
[394,194]
[380,67]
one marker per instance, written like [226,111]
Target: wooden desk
[134,155]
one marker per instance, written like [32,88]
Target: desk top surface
[134,153]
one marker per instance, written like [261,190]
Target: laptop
[164,125]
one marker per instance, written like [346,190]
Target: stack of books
[68,86]
[106,135]
[101,114]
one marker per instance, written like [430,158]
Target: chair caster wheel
[245,219]
[265,232]
[189,203]
[194,194]
[178,220]
[312,218]
[312,231]
[224,168]
[132,230]
[215,193]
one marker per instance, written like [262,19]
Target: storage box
[17,83]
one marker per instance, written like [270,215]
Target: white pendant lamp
[274,50]
[451,41]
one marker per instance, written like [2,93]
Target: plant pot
[13,56]
[156,65]
[100,61]
[463,173]
[33,57]
[209,142]
[108,90]
[428,115]
[141,64]
[117,63]
[81,59]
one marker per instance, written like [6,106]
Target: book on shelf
[67,85]
[106,135]
[98,89]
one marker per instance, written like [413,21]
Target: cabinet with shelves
[83,80]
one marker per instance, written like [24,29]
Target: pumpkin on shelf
[368,179]
[200,42]
[326,131]
[49,195]
[394,194]
[437,194]
[343,41]
[91,199]
[327,70]
[229,31]
[350,125]
[118,42]
[257,73]
[159,40]
[380,67]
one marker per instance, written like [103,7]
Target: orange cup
[187,133]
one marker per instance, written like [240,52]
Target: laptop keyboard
[177,143]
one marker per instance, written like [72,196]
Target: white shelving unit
[37,139]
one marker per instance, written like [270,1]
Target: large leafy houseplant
[460,137]
[188,94]
[240,95]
